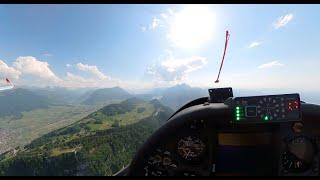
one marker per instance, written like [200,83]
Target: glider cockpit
[225,135]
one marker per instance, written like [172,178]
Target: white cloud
[29,65]
[29,71]
[76,81]
[170,11]
[46,54]
[282,21]
[164,15]
[155,23]
[159,20]
[175,70]
[8,72]
[254,44]
[143,28]
[270,65]
[92,70]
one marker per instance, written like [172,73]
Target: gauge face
[298,156]
[271,108]
[190,148]
[160,164]
[291,163]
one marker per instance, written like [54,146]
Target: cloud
[164,15]
[143,28]
[29,65]
[155,23]
[92,70]
[8,72]
[254,44]
[29,71]
[159,20]
[270,65]
[75,78]
[76,81]
[170,11]
[46,54]
[175,70]
[282,21]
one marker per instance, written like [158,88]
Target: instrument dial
[191,148]
[271,108]
[160,164]
[298,156]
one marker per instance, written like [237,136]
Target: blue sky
[145,46]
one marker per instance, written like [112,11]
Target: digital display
[272,108]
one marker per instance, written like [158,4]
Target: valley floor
[21,131]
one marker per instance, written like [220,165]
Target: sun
[192,27]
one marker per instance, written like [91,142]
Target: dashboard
[256,135]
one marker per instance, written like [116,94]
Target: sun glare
[192,27]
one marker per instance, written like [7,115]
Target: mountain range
[14,102]
[106,95]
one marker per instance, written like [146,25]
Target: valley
[99,144]
[36,123]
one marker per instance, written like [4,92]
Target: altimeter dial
[190,148]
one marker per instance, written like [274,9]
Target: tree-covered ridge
[72,151]
[110,116]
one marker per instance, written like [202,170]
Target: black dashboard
[257,135]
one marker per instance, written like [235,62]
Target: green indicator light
[238,111]
[237,115]
[237,108]
[266,118]
[238,119]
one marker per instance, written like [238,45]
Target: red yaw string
[224,53]
[8,81]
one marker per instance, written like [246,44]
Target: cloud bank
[174,70]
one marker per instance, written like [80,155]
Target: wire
[224,53]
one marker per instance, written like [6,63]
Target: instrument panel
[267,109]
[287,144]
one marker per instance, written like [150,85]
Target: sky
[147,46]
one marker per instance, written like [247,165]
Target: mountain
[310,97]
[60,95]
[106,95]
[177,96]
[14,102]
[100,144]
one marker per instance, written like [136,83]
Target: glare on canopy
[192,27]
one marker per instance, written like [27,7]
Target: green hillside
[99,144]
